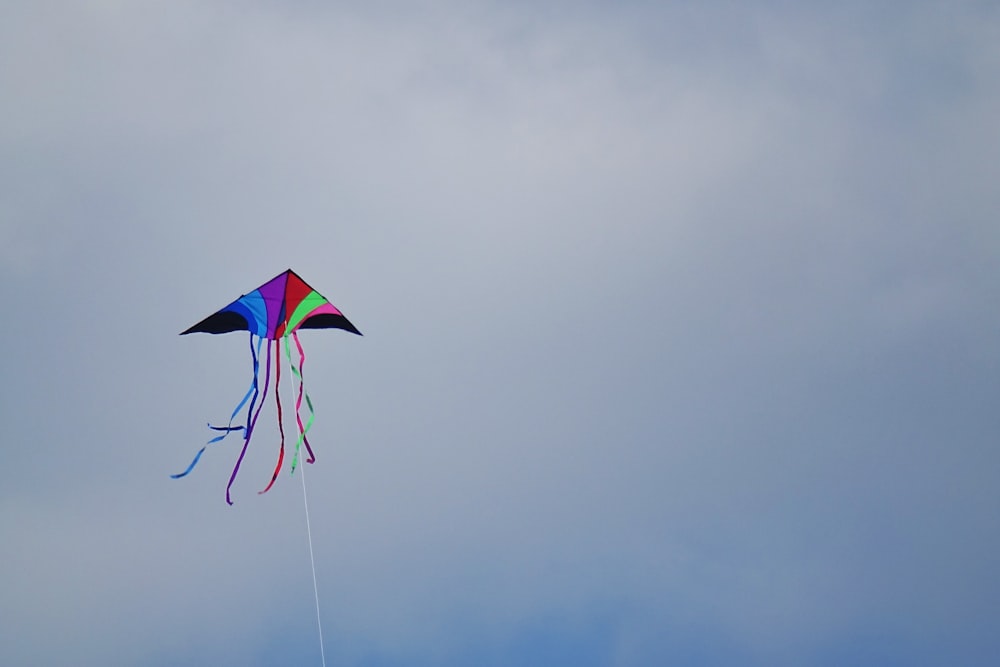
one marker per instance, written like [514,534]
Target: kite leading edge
[275,311]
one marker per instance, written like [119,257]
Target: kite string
[312,563]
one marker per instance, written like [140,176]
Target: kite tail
[303,430]
[230,428]
[251,422]
[281,427]
[190,467]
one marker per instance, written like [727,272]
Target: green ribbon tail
[303,428]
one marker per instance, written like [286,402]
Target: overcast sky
[682,332]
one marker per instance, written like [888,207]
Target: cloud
[678,339]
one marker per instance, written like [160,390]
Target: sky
[680,321]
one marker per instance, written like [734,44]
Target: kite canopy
[276,309]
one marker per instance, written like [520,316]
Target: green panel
[306,306]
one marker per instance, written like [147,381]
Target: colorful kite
[274,311]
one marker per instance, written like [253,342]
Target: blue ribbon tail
[190,467]
[226,430]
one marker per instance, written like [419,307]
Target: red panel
[296,290]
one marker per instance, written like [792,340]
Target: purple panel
[273,292]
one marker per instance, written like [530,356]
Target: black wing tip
[223,321]
[329,321]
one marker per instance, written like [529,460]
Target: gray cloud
[679,332]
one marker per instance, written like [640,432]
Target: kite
[274,312]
